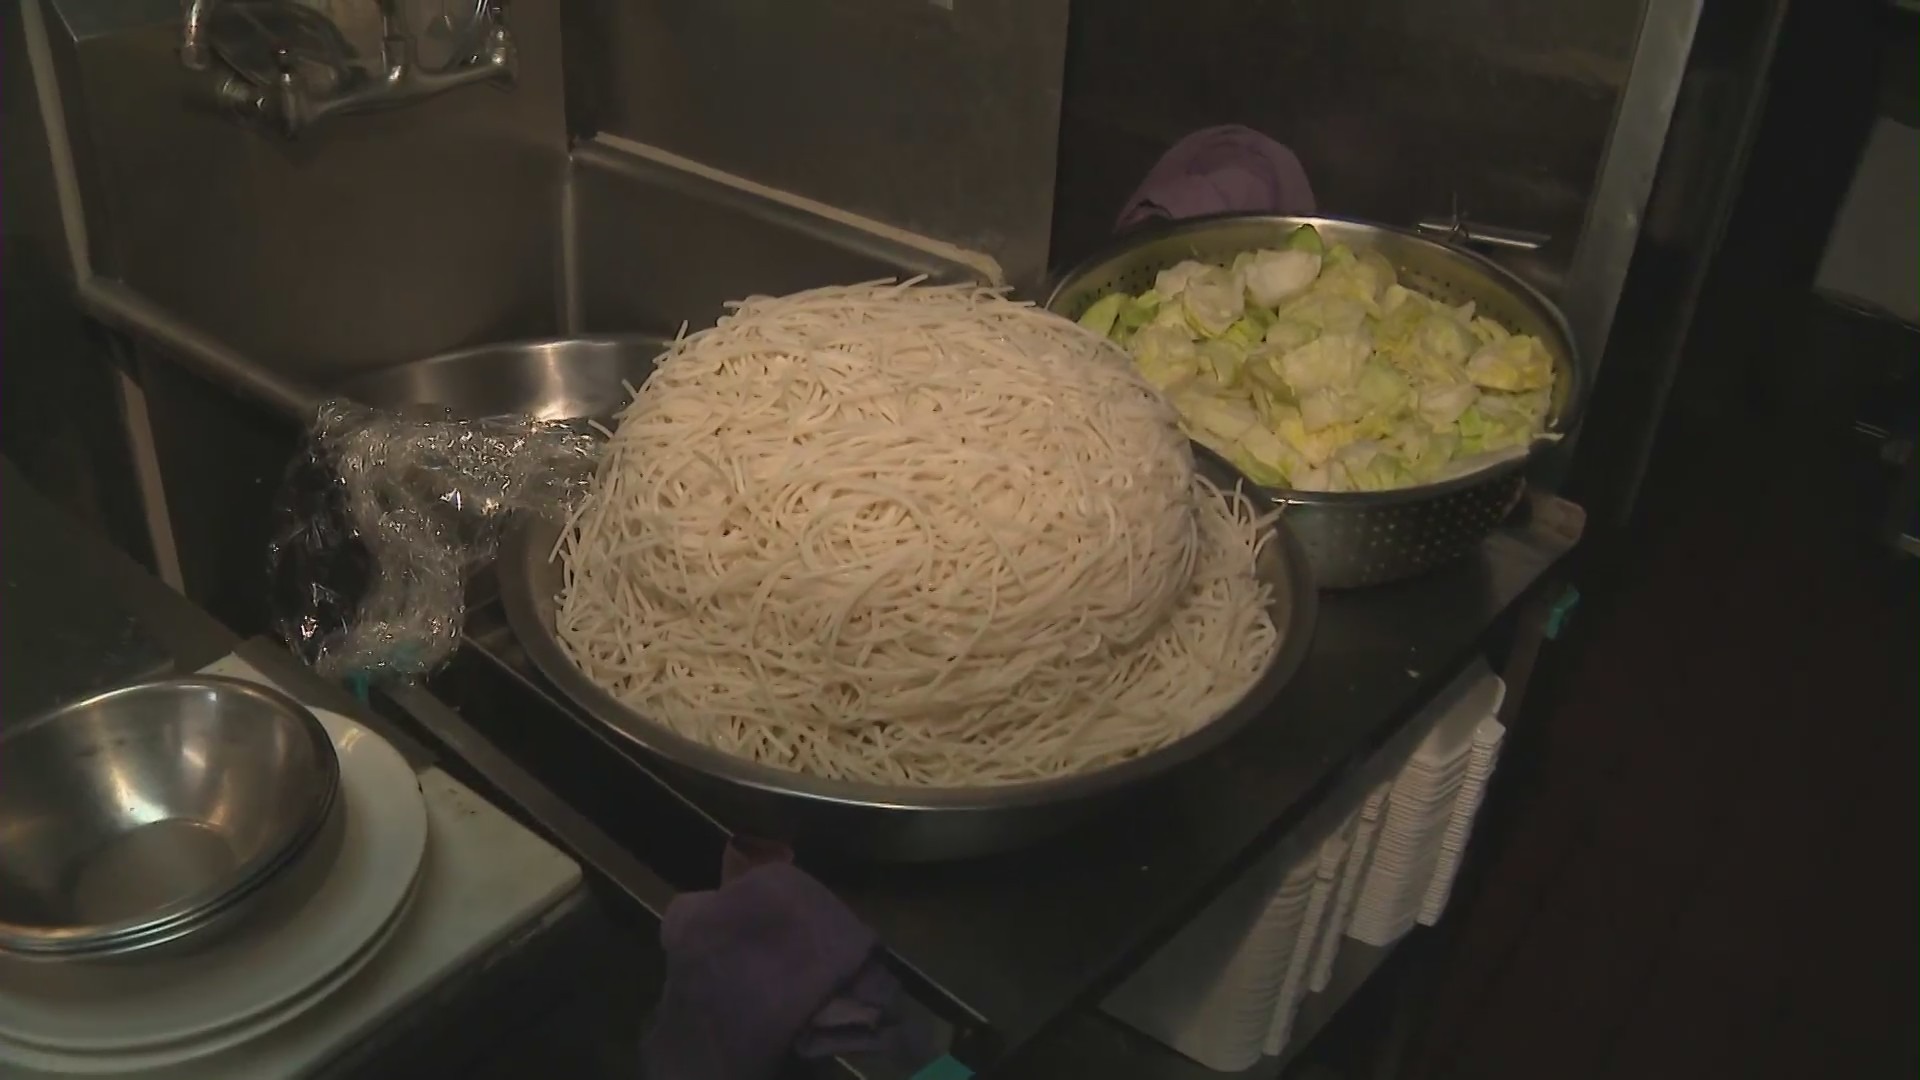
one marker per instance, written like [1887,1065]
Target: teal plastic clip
[1561,611]
[946,1068]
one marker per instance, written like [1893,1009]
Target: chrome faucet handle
[194,54]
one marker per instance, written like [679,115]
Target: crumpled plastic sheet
[383,515]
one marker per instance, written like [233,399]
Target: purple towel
[1220,170]
[768,963]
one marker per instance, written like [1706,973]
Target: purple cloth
[768,963]
[1220,170]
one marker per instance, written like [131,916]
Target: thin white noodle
[912,535]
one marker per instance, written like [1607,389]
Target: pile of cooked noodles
[911,535]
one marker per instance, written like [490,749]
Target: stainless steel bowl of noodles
[910,573]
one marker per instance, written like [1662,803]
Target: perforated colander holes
[1434,287]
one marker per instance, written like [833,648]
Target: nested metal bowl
[1367,538]
[557,379]
[886,822]
[156,812]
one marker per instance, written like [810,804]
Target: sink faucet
[193,46]
[282,101]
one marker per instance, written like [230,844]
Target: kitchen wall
[1395,106]
[935,116]
[59,411]
[369,240]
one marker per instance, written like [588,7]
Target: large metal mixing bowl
[582,379]
[893,823]
[562,379]
[144,815]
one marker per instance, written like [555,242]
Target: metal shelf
[1091,1043]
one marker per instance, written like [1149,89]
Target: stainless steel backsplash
[935,116]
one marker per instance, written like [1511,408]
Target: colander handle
[1458,231]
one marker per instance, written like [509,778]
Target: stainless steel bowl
[1368,538]
[894,823]
[148,814]
[561,379]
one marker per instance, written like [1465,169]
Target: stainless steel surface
[82,457]
[119,306]
[656,246]
[289,66]
[82,643]
[565,379]
[1731,223]
[878,821]
[1367,538]
[1458,230]
[941,118]
[1624,180]
[400,235]
[194,54]
[1597,278]
[147,814]
[238,270]
[1394,106]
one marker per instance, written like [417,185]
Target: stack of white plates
[1487,738]
[1312,938]
[1366,826]
[141,1014]
[1228,988]
[1212,992]
[1420,811]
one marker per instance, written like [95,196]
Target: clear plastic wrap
[382,516]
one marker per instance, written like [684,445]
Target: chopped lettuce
[1327,312]
[1213,300]
[1384,390]
[1496,421]
[1442,403]
[1101,316]
[1138,312]
[1248,331]
[1274,276]
[1166,356]
[1221,361]
[1287,333]
[1311,366]
[1329,408]
[1511,363]
[1173,281]
[1326,362]
[1364,278]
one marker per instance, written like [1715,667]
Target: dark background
[1698,859]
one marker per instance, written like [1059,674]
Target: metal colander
[1366,538]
